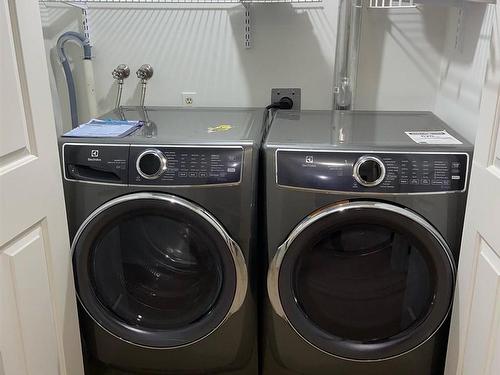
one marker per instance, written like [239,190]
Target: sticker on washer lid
[433,137]
[220,128]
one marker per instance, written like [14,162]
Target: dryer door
[363,280]
[157,271]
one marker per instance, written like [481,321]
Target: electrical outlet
[188,98]
[294,94]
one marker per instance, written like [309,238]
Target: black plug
[284,103]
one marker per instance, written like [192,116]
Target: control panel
[167,165]
[389,172]
[158,166]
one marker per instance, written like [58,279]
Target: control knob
[151,164]
[369,171]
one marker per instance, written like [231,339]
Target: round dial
[369,171]
[151,164]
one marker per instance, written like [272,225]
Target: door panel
[28,311]
[38,312]
[475,334]
[485,312]
[12,139]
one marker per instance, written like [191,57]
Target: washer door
[157,271]
[363,280]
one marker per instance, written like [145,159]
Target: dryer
[364,216]
[163,233]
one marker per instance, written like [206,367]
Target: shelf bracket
[247,26]
[459,36]
[83,6]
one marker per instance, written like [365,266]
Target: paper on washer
[109,128]
[433,137]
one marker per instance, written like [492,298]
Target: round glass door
[363,280]
[156,270]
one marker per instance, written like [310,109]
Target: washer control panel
[175,166]
[389,172]
[124,164]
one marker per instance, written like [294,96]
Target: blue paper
[104,129]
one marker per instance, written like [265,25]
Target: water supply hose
[87,55]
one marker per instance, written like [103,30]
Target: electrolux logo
[94,155]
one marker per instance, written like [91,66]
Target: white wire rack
[85,5]
[387,4]
[139,2]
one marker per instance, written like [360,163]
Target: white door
[474,347]
[38,321]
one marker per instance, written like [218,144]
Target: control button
[151,164]
[193,174]
[369,171]
[455,177]
[426,181]
[414,181]
[403,181]
[203,174]
[183,174]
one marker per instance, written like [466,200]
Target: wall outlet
[293,93]
[188,98]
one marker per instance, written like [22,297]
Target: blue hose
[87,55]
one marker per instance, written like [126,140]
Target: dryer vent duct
[346,58]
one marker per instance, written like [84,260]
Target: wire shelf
[389,4]
[149,2]
[86,5]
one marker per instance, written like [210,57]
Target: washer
[163,233]
[363,235]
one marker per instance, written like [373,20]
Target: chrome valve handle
[120,73]
[144,73]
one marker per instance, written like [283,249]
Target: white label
[433,137]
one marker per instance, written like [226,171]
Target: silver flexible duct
[346,58]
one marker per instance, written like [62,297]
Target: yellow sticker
[220,128]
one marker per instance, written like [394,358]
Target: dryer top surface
[358,130]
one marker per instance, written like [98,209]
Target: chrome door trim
[235,250]
[374,153]
[275,266]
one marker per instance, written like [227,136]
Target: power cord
[284,103]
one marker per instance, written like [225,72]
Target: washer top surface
[357,130]
[179,125]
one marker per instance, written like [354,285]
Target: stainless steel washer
[163,241]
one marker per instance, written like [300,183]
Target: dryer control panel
[365,172]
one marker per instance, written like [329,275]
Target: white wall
[400,58]
[463,68]
[408,59]
[201,49]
